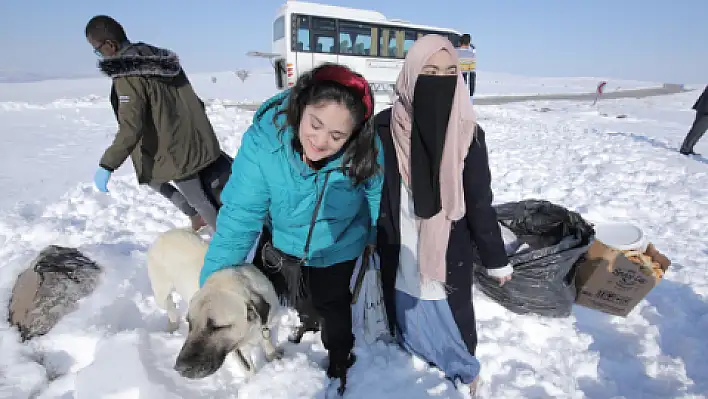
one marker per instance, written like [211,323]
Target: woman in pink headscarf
[436,212]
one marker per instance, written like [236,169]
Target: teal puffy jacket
[269,178]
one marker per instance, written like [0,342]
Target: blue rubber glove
[100,179]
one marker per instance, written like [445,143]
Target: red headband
[347,78]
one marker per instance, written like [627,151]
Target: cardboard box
[609,282]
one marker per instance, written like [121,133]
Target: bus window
[391,43]
[423,33]
[324,44]
[454,38]
[408,39]
[279,28]
[324,35]
[355,38]
[303,34]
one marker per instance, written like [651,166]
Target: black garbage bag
[544,270]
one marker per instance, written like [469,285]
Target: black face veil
[432,103]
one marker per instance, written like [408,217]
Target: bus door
[281,73]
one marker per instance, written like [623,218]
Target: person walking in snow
[309,170]
[700,124]
[163,126]
[467,55]
[436,208]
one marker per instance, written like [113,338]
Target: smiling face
[324,129]
[440,63]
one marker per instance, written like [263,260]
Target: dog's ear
[257,308]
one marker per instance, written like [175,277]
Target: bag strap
[365,264]
[314,218]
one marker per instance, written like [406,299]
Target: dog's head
[220,317]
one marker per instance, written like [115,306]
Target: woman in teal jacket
[309,168]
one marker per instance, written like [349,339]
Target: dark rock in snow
[51,288]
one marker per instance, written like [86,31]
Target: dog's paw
[277,354]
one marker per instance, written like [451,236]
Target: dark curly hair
[359,153]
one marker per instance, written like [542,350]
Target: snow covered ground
[571,153]
[45,126]
[261,84]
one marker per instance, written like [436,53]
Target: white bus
[306,35]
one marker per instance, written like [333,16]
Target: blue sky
[655,40]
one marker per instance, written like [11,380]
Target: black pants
[700,125]
[470,79]
[331,299]
[326,304]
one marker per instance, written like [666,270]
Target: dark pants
[197,197]
[700,125]
[326,304]
[470,80]
[169,191]
[198,194]
[331,298]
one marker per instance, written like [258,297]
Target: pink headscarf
[434,232]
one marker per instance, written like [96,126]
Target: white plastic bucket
[622,236]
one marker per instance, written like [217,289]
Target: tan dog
[233,310]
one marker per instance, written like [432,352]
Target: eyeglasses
[97,49]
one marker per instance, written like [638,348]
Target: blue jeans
[428,330]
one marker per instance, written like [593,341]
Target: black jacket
[476,236]
[701,105]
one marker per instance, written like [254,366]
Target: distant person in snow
[468,62]
[700,124]
[162,124]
